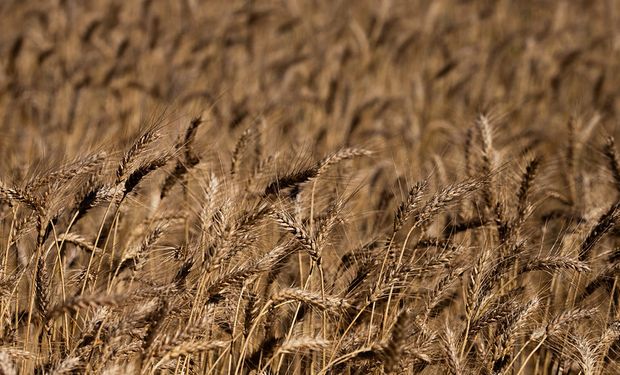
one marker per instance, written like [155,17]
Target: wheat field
[309,187]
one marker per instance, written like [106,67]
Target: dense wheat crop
[309,187]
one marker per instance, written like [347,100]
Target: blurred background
[405,78]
